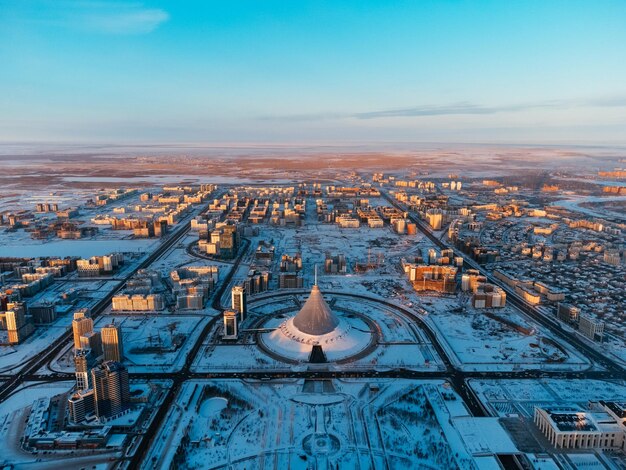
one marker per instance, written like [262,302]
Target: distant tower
[111,387]
[112,346]
[81,326]
[239,301]
[230,325]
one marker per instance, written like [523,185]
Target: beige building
[112,345]
[81,326]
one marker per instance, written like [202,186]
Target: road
[512,297]
[450,372]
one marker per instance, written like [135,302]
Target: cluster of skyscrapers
[102,386]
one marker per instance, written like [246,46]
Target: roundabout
[359,333]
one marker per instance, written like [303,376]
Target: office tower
[93,341]
[112,346]
[81,404]
[239,301]
[81,326]
[83,361]
[230,325]
[110,384]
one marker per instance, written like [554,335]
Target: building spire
[315,283]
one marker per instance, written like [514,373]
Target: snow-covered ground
[82,248]
[312,424]
[507,397]
[157,343]
[481,342]
[574,204]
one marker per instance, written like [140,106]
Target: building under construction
[433,278]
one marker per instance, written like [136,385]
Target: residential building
[111,387]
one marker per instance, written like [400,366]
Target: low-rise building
[572,428]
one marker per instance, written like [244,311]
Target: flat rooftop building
[571,428]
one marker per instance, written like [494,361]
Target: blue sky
[313,71]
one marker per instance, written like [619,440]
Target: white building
[571,428]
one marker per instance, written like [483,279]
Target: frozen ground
[480,342]
[574,204]
[152,343]
[507,397]
[156,343]
[22,247]
[312,424]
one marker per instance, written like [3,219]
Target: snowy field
[311,424]
[84,248]
[504,341]
[156,343]
[511,397]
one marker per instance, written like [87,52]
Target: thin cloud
[463,108]
[607,102]
[458,108]
[102,17]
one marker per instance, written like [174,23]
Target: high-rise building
[567,313]
[111,387]
[83,362]
[290,281]
[18,325]
[15,319]
[93,341]
[434,218]
[112,346]
[81,404]
[81,326]
[230,325]
[239,301]
[43,312]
